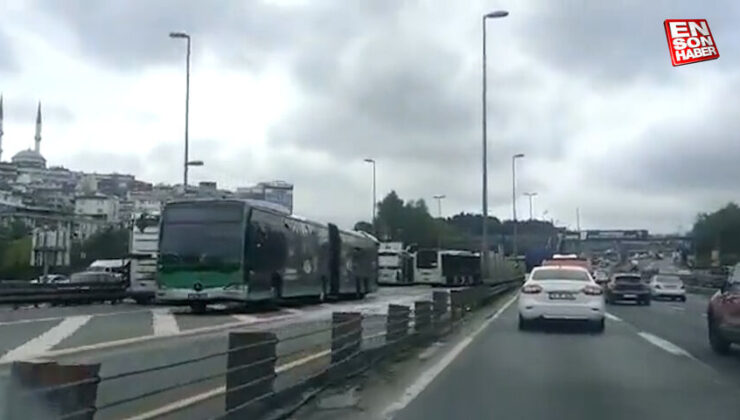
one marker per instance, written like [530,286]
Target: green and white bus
[225,250]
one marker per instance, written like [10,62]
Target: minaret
[38,130]
[1,128]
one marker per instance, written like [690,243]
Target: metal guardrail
[25,292]
[263,375]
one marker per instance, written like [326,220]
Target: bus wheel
[198,307]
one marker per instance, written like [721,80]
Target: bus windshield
[207,237]
[426,258]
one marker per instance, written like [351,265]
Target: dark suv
[723,315]
[627,286]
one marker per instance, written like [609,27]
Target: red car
[723,316]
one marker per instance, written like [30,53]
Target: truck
[395,264]
[143,254]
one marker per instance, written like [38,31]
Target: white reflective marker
[47,340]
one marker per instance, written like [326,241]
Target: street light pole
[375,198]
[484,236]
[513,199]
[186,162]
[439,199]
[530,195]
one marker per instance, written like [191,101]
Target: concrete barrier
[251,373]
[47,390]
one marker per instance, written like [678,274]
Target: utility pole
[439,199]
[578,219]
[530,195]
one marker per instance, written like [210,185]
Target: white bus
[143,253]
[446,267]
[395,264]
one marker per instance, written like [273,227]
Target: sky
[305,90]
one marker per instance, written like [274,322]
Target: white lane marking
[180,404]
[247,319]
[212,393]
[427,377]
[47,340]
[613,317]
[56,318]
[164,322]
[204,330]
[665,344]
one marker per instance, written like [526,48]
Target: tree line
[720,231]
[411,223]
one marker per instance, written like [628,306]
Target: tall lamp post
[439,198]
[186,163]
[484,236]
[530,195]
[375,200]
[513,199]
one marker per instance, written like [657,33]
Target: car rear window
[627,279]
[668,279]
[559,274]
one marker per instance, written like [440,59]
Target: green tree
[363,226]
[107,244]
[719,230]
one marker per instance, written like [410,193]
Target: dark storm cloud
[614,41]
[131,34]
[685,157]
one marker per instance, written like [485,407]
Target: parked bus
[239,251]
[447,267]
[395,265]
[143,252]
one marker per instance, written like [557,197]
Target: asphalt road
[124,338]
[629,371]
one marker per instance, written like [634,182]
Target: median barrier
[30,293]
[47,390]
[268,375]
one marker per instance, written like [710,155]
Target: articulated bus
[213,251]
[447,267]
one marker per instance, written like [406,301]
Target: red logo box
[690,41]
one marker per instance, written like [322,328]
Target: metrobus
[395,264]
[224,250]
[143,251]
[447,267]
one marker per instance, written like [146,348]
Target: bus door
[335,251]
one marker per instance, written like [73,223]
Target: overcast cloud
[304,90]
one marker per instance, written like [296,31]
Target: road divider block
[47,390]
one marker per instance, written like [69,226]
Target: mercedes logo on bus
[197,287]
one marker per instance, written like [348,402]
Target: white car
[561,292]
[667,286]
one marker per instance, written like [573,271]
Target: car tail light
[592,290]
[532,289]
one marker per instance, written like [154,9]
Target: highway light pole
[484,236]
[530,195]
[439,198]
[375,198]
[513,199]
[186,162]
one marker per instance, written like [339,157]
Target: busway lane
[570,374]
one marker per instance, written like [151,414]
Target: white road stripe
[164,322]
[47,340]
[664,344]
[56,318]
[427,377]
[613,317]
[247,319]
[212,393]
